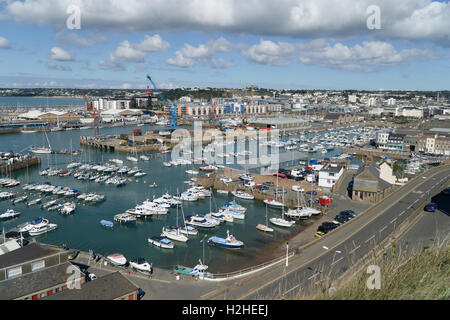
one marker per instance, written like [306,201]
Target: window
[14,272]
[37,265]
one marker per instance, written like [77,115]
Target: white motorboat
[117,259]
[161,242]
[34,202]
[132,159]
[49,204]
[9,214]
[144,158]
[20,199]
[139,264]
[35,231]
[68,208]
[235,214]
[193,172]
[242,195]
[174,233]
[167,164]
[6,195]
[200,222]
[222,191]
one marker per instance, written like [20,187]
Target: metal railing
[247,271]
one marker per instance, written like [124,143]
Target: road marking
[337,260]
[353,250]
[286,292]
[337,251]
[401,213]
[314,275]
[326,248]
[382,229]
[370,238]
[394,220]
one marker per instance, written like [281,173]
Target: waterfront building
[35,271]
[329,175]
[113,286]
[368,183]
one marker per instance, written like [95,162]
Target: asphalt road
[338,251]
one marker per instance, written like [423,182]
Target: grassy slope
[426,275]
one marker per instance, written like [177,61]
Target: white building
[352,99]
[382,138]
[329,175]
[371,102]
[410,112]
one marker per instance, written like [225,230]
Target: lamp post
[287,254]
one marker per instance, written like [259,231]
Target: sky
[279,44]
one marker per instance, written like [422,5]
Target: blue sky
[308,44]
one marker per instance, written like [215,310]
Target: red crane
[93,113]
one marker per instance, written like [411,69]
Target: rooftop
[33,282]
[108,287]
[30,252]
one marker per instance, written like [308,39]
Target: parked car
[431,207]
[280,191]
[341,218]
[446,191]
[328,226]
[280,175]
[268,183]
[350,213]
[90,277]
[319,234]
[140,294]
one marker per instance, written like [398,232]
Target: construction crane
[172,110]
[93,113]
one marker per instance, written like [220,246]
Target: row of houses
[435,141]
[36,271]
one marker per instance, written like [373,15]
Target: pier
[14,164]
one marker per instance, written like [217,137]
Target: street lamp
[287,254]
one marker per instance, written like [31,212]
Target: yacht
[20,199]
[199,222]
[174,233]
[9,214]
[242,195]
[68,208]
[274,203]
[41,229]
[132,159]
[139,264]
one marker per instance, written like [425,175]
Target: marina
[145,205]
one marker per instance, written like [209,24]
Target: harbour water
[82,230]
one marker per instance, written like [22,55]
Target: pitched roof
[30,252]
[368,179]
[33,282]
[108,287]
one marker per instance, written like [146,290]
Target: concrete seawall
[5,168]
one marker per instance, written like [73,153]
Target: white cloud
[60,54]
[401,19]
[190,56]
[137,52]
[268,52]
[4,43]
[362,58]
